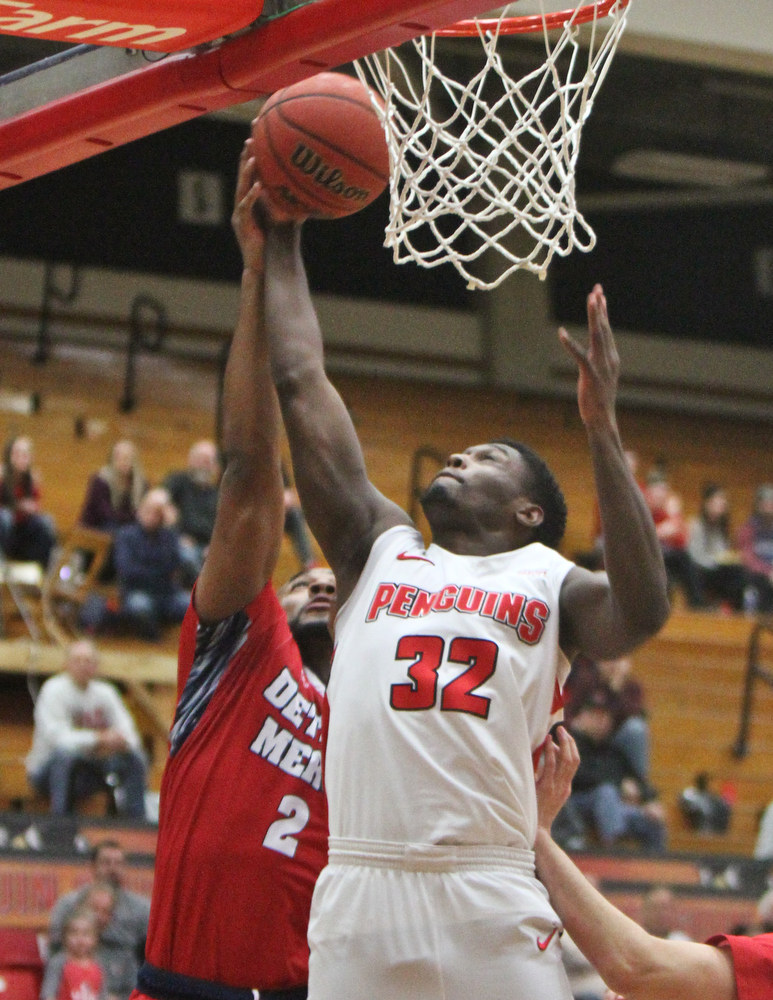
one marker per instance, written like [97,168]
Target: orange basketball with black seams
[320,148]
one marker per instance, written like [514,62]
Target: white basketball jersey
[446,678]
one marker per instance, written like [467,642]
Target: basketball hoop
[474,162]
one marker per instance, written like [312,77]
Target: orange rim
[531,23]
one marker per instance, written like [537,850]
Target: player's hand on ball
[599,364]
[554,784]
[249,233]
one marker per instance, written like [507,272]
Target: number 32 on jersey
[458,695]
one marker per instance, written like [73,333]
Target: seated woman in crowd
[666,509]
[114,493]
[25,533]
[717,564]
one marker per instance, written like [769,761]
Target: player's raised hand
[599,364]
[250,235]
[554,784]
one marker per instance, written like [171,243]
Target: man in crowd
[607,792]
[84,737]
[123,933]
[193,492]
[243,824]
[632,962]
[449,666]
[147,562]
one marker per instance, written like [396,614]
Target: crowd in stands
[712,566]
[159,533]
[96,934]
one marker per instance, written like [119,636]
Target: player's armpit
[591,622]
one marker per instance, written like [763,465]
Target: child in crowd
[74,973]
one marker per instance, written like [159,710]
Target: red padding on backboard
[160,25]
[320,35]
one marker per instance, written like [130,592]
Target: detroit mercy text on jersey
[243,826]
[446,678]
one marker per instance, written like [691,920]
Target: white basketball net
[471,161]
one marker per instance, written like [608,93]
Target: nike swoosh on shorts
[542,945]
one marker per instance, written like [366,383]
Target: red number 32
[426,652]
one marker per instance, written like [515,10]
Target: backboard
[277,51]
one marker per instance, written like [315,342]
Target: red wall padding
[21,967]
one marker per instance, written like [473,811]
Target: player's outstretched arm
[345,511]
[605,616]
[250,513]
[628,959]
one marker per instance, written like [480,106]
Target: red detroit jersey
[243,825]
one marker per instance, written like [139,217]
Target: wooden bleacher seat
[71,577]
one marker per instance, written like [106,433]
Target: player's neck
[477,543]
[316,649]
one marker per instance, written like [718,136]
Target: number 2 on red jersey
[458,695]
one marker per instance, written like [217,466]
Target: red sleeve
[257,608]
[753,964]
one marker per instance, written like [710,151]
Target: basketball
[320,148]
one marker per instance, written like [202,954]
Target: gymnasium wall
[691,292]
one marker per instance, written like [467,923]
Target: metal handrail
[754,672]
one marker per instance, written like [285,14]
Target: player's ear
[529,514]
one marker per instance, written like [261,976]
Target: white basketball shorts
[418,922]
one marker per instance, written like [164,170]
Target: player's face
[309,598]
[486,480]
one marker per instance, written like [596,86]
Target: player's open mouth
[318,604]
[447,473]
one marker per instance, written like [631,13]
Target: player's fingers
[548,761]
[244,178]
[575,350]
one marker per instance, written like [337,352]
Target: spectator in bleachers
[148,564]
[115,492]
[755,542]
[194,494]
[624,696]
[75,973]
[84,737]
[128,924]
[658,915]
[666,509]
[720,574]
[607,795]
[26,534]
[118,962]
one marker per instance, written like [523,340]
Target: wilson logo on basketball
[312,164]
[28,20]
